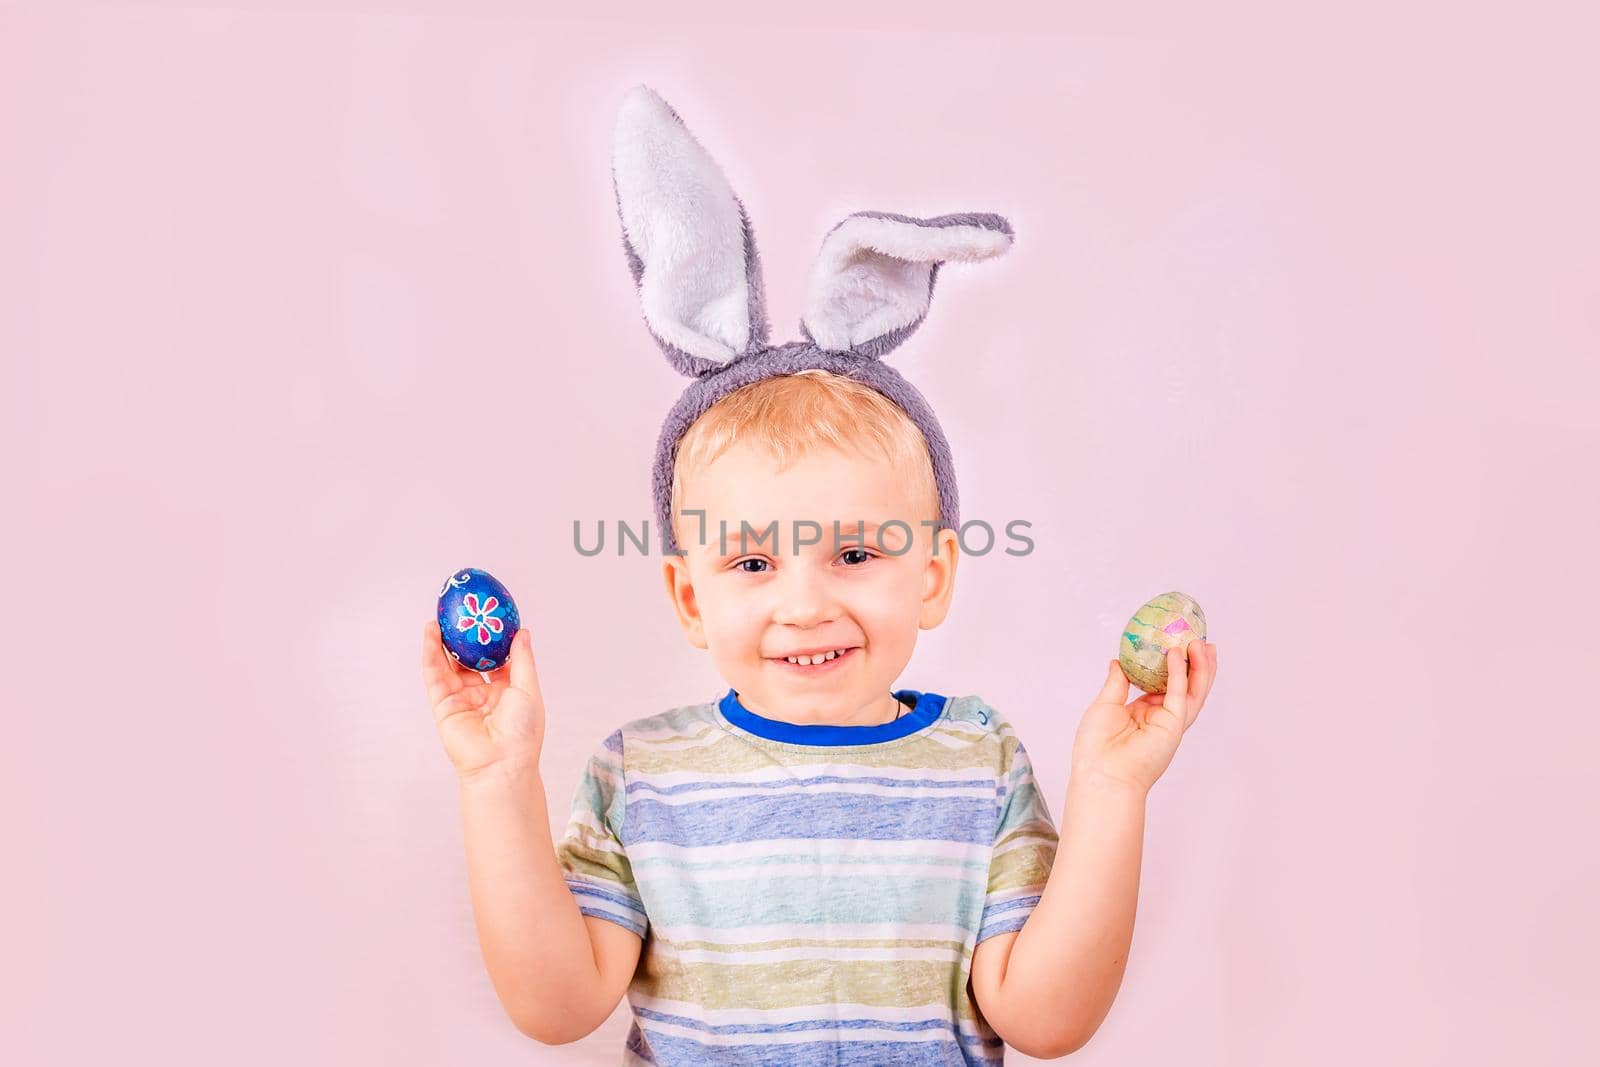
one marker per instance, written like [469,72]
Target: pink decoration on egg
[1176,626]
[472,615]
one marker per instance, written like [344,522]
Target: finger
[464,675]
[438,673]
[1175,702]
[496,680]
[1205,671]
[524,671]
[1141,708]
[1115,689]
[461,710]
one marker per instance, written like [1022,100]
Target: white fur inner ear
[923,244]
[683,221]
[871,275]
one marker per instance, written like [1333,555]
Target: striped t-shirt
[810,894]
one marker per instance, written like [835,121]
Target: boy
[812,867]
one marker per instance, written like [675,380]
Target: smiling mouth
[813,664]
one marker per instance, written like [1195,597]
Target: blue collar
[929,706]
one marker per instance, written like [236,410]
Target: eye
[761,565]
[862,555]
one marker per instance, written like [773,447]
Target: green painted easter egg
[1170,620]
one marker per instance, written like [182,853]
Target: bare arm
[558,973]
[1047,987]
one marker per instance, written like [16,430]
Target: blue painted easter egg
[477,619]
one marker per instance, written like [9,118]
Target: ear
[873,278]
[687,239]
[939,579]
[680,590]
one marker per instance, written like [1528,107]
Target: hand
[485,725]
[1131,744]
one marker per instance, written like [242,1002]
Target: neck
[874,713]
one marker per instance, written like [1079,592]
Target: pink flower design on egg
[472,614]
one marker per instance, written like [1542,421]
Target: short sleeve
[1024,845]
[591,853]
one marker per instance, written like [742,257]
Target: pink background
[306,304]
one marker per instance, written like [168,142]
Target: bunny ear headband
[693,258]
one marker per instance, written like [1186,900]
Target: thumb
[524,672]
[1115,690]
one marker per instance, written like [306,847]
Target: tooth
[820,657]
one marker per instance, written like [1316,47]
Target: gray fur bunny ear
[874,276]
[687,238]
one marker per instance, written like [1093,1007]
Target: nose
[803,597]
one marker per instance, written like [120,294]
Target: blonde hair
[788,414]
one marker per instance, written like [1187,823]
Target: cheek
[892,604]
[732,620]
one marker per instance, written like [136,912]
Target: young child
[812,867]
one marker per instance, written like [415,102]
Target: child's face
[759,602]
